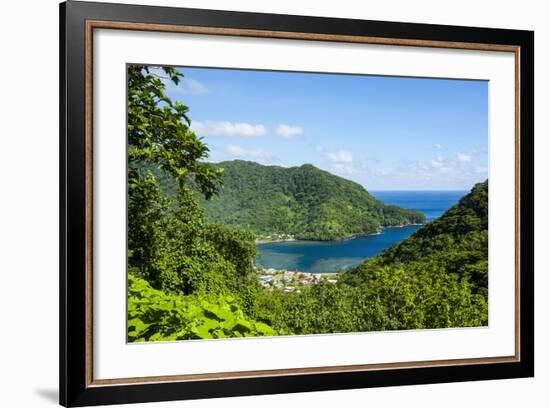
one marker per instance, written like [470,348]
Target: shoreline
[379,232]
[270,241]
[272,271]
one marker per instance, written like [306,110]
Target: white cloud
[447,170]
[464,157]
[211,128]
[289,132]
[438,146]
[437,162]
[342,163]
[344,169]
[192,86]
[385,172]
[341,156]
[239,152]
[441,166]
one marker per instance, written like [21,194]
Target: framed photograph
[256,203]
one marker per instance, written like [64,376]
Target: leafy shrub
[156,316]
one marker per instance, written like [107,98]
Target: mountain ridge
[303,201]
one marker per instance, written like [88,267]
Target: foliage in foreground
[197,279]
[156,316]
[169,243]
[159,132]
[418,296]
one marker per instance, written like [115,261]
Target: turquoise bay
[331,256]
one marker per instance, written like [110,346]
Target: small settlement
[290,281]
[280,237]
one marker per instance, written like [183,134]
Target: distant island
[279,203]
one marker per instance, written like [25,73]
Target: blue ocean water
[432,203]
[331,256]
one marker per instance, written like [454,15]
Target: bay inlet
[332,256]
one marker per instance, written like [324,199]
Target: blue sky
[386,133]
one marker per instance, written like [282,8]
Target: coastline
[354,236]
[405,225]
[270,241]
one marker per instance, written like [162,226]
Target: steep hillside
[304,201]
[456,242]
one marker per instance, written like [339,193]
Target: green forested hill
[462,226]
[303,201]
[457,242]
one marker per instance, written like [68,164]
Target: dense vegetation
[192,277]
[435,278]
[304,201]
[170,246]
[156,316]
[457,241]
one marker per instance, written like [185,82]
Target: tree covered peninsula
[303,201]
[191,241]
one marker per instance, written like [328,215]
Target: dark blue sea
[331,256]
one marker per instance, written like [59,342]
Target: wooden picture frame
[78,20]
